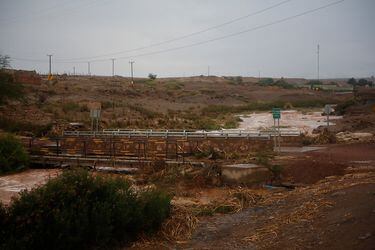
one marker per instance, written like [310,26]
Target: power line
[237,33]
[184,36]
[217,38]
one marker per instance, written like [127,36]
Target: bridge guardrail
[185,133]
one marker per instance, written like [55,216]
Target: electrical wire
[184,36]
[210,40]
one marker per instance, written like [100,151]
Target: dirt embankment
[310,167]
[335,214]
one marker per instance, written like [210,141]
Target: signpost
[95,117]
[327,111]
[276,114]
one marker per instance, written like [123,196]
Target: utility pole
[88,69]
[50,66]
[318,53]
[208,71]
[131,71]
[74,70]
[113,66]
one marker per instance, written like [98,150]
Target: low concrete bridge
[146,145]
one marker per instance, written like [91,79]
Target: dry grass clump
[180,224]
[184,218]
[178,228]
[238,200]
[305,212]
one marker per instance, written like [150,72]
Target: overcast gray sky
[71,29]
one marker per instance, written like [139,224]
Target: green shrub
[265,81]
[145,112]
[279,83]
[70,106]
[13,156]
[107,105]
[13,126]
[342,107]
[80,211]
[234,80]
[314,83]
[173,85]
[152,76]
[263,157]
[276,171]
[8,88]
[232,122]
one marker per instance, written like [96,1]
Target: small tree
[352,81]
[363,82]
[238,80]
[4,61]
[152,76]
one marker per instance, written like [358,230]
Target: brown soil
[162,101]
[337,214]
[313,166]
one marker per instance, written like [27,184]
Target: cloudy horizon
[90,30]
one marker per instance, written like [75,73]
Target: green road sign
[276,113]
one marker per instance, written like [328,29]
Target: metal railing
[265,134]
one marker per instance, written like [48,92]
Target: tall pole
[50,65]
[74,70]
[208,71]
[88,69]
[131,71]
[113,66]
[318,53]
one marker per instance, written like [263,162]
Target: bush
[234,80]
[13,156]
[342,107]
[152,76]
[80,211]
[8,88]
[279,83]
[70,106]
[13,126]
[265,81]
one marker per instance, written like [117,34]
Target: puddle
[300,149]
